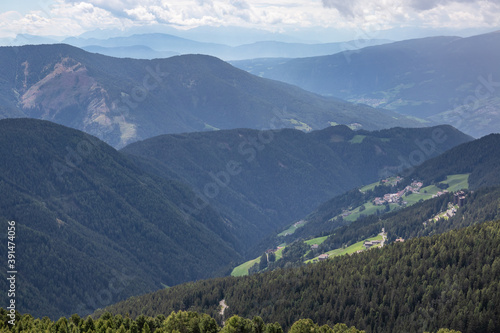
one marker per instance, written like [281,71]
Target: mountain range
[158,177]
[264,180]
[94,227]
[154,45]
[421,283]
[102,225]
[124,100]
[445,79]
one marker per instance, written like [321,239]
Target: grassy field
[279,253]
[318,240]
[243,268]
[357,139]
[370,209]
[455,182]
[425,194]
[348,250]
[291,229]
[301,125]
[371,186]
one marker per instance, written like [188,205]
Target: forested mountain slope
[122,100]
[479,158]
[445,79]
[92,228]
[263,181]
[448,280]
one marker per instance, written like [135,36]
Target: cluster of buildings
[414,187]
[459,199]
[346,213]
[392,181]
[369,244]
[274,250]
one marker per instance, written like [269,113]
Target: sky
[347,18]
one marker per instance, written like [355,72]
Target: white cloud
[420,13]
[142,14]
[69,17]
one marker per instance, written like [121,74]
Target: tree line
[447,280]
[178,322]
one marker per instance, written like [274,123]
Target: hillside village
[414,187]
[459,200]
[394,199]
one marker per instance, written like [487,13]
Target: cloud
[72,17]
[240,4]
[346,8]
[422,5]
[60,17]
[419,13]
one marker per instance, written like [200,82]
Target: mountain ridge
[87,217]
[125,100]
[168,43]
[444,79]
[263,181]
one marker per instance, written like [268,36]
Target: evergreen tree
[263,262]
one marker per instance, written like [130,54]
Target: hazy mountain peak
[125,100]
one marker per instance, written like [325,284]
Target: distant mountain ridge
[125,100]
[445,79]
[134,51]
[165,44]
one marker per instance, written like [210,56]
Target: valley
[407,196]
[124,100]
[128,213]
[168,181]
[263,181]
[426,78]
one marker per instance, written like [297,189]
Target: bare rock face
[65,90]
[125,100]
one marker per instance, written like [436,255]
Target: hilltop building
[459,198]
[323,256]
[370,244]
